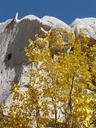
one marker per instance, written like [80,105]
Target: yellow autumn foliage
[61,92]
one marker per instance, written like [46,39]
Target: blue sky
[66,10]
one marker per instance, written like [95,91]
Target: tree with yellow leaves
[66,86]
[61,89]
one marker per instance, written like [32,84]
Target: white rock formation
[56,23]
[14,35]
[85,25]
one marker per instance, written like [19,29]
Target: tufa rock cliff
[14,35]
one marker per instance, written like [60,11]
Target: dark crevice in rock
[9,56]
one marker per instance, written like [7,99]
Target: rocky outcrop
[86,26]
[14,35]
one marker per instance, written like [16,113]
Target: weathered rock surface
[14,35]
[85,25]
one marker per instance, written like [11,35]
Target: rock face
[85,25]
[14,35]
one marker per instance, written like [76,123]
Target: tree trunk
[69,116]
